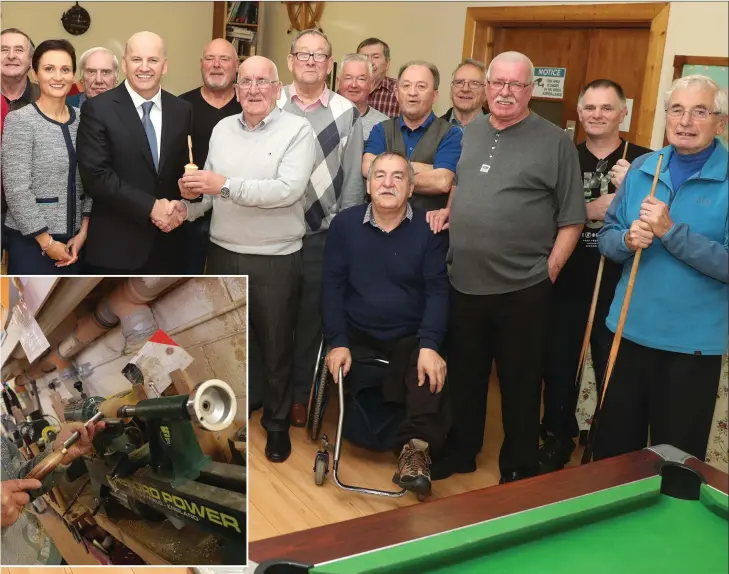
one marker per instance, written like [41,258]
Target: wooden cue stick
[189,147]
[587,455]
[591,317]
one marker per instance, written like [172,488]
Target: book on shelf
[242,13]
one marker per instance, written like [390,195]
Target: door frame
[478,39]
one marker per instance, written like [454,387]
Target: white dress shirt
[155,113]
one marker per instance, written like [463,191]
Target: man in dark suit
[132,149]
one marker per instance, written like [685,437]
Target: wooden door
[617,54]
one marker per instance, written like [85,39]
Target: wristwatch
[225,190]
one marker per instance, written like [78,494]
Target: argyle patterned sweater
[336,182]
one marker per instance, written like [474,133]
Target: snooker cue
[587,454]
[591,317]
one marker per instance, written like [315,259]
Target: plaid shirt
[383,99]
[368,218]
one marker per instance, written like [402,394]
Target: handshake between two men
[169,214]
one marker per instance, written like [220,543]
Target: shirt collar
[275,113]
[323,97]
[388,84]
[26,96]
[369,218]
[456,122]
[139,100]
[429,120]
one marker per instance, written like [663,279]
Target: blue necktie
[149,130]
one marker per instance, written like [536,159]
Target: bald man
[211,102]
[132,149]
[258,226]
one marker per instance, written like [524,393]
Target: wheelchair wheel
[320,471]
[320,400]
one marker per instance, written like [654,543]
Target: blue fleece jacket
[680,298]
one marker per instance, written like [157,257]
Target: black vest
[424,152]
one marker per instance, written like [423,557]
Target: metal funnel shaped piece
[212,405]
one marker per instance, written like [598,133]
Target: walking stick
[591,317]
[587,454]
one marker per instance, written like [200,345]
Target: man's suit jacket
[118,172]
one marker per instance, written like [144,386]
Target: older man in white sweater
[255,177]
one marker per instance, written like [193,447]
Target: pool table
[656,510]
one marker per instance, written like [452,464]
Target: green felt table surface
[629,528]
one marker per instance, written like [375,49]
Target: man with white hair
[667,372]
[99,72]
[515,217]
[468,93]
[601,108]
[258,226]
[355,83]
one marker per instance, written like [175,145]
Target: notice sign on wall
[549,83]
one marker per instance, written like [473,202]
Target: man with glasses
[667,372]
[601,108]
[383,95]
[255,178]
[99,72]
[335,184]
[211,102]
[432,145]
[515,218]
[354,83]
[468,93]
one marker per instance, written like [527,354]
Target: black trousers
[308,322]
[26,258]
[564,340]
[671,395]
[509,329]
[427,414]
[274,283]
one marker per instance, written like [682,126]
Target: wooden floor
[283,498]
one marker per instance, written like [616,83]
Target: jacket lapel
[130,119]
[167,113]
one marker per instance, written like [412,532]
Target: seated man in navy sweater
[385,289]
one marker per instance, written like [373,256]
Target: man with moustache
[383,96]
[355,82]
[99,72]
[432,145]
[258,225]
[211,102]
[385,291]
[601,108]
[17,52]
[335,184]
[132,149]
[515,217]
[468,93]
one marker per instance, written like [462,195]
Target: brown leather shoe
[299,415]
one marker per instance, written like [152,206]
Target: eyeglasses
[514,86]
[261,83]
[597,177]
[306,56]
[104,73]
[473,84]
[696,113]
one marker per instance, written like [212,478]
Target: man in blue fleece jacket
[667,371]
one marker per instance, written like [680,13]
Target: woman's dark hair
[53,46]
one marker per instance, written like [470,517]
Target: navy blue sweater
[388,285]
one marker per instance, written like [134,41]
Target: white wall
[185,26]
[434,31]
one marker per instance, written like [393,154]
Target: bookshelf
[241,24]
